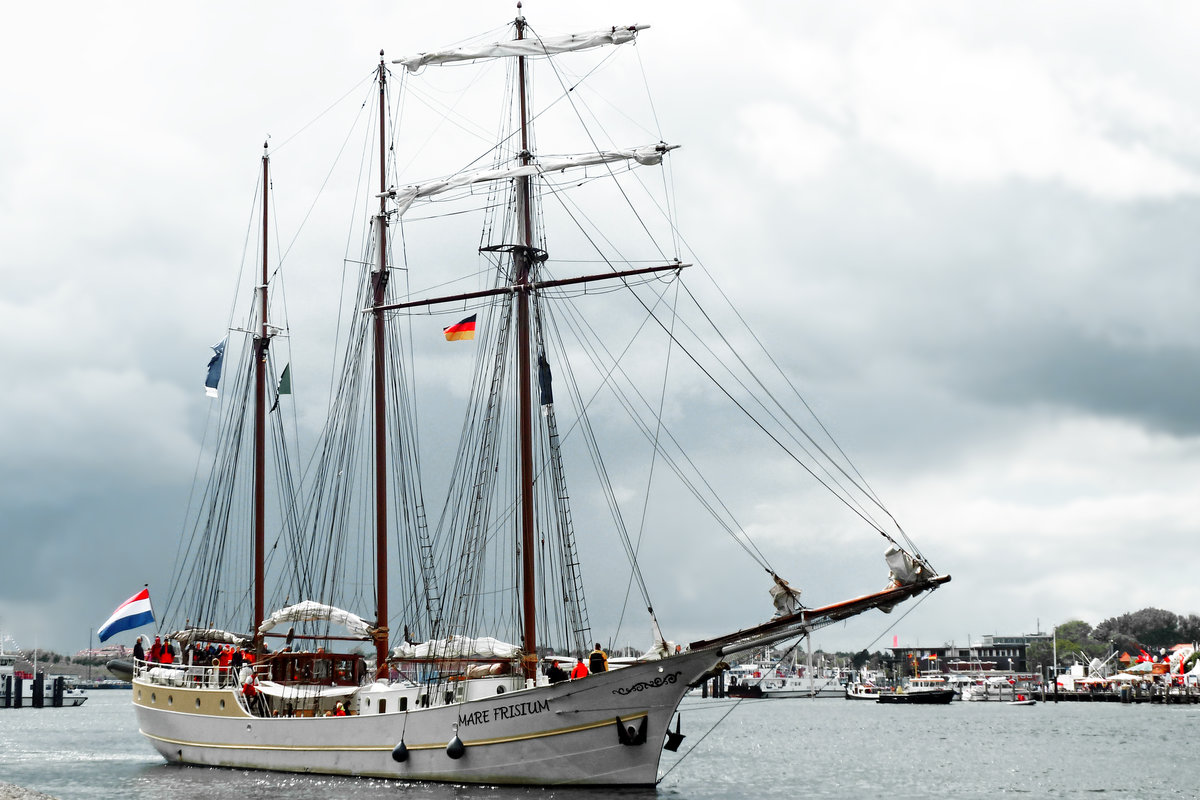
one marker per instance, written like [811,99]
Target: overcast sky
[969,230]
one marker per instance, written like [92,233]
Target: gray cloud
[966,235]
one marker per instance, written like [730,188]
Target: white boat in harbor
[997,688]
[803,686]
[862,691]
[920,691]
[446,687]
[22,690]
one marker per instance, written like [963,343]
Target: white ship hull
[561,734]
[782,688]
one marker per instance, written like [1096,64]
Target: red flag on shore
[461,330]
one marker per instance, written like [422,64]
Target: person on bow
[598,659]
[555,673]
[580,670]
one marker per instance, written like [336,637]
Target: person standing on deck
[598,660]
[580,670]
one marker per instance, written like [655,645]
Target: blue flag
[214,368]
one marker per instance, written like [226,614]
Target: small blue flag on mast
[214,368]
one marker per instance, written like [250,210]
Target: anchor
[674,738]
[628,736]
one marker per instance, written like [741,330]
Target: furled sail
[905,570]
[568,43]
[309,610]
[189,635]
[648,155]
[458,647]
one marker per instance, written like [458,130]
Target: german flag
[461,330]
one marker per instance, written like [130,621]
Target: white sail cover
[310,610]
[302,693]
[905,571]
[458,647]
[568,43]
[785,599]
[649,155]
[189,635]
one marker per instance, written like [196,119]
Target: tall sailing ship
[417,655]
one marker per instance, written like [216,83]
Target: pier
[1125,694]
[12,694]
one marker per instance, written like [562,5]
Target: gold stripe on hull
[388,748]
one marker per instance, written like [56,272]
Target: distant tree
[1189,628]
[1124,643]
[1039,651]
[1076,630]
[1074,638]
[1150,629]
[860,659]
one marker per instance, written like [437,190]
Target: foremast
[378,323]
[260,415]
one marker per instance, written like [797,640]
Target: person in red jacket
[580,670]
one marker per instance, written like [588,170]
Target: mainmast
[380,277]
[523,264]
[260,417]
[526,256]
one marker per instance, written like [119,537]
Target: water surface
[791,749]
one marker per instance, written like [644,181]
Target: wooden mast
[526,256]
[380,393]
[523,264]
[260,417]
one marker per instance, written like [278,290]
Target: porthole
[139,695]
[222,705]
[197,702]
[170,700]
[499,690]
[153,697]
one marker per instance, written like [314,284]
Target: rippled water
[762,749]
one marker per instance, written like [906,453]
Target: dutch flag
[133,613]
